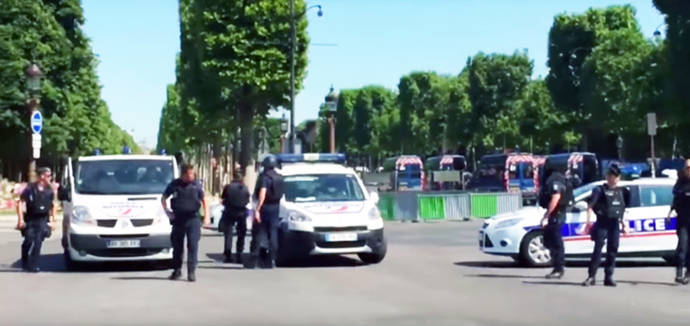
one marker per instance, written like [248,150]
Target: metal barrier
[450,206]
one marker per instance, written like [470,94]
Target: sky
[355,43]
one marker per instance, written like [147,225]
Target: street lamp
[293,45]
[283,132]
[331,107]
[619,146]
[33,86]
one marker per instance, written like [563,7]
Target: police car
[112,208]
[519,235]
[326,210]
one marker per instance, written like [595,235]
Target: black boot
[679,275]
[555,275]
[608,281]
[228,258]
[589,281]
[176,274]
[686,278]
[251,264]
[238,258]
[191,276]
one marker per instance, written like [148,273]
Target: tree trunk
[247,130]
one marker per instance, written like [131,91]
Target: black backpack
[38,202]
[236,196]
[275,192]
[567,199]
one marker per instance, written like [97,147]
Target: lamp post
[293,46]
[283,132]
[619,146]
[332,106]
[33,86]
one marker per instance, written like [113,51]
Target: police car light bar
[311,158]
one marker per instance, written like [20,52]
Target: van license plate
[336,237]
[124,243]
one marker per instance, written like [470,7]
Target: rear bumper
[301,243]
[89,247]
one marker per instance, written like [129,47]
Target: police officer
[187,197]
[38,198]
[608,203]
[681,204]
[552,223]
[235,198]
[266,216]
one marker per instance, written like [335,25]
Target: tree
[240,51]
[496,83]
[540,124]
[423,100]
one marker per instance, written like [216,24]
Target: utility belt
[36,217]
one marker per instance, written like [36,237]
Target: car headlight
[81,215]
[297,217]
[508,223]
[374,214]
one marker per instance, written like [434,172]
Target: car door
[649,232]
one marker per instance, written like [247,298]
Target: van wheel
[70,264]
[375,257]
[533,253]
[670,259]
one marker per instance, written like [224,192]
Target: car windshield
[578,192]
[123,177]
[325,187]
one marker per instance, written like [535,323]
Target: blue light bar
[311,158]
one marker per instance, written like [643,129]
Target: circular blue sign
[37,122]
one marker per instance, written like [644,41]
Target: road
[433,275]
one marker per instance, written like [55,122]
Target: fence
[446,206]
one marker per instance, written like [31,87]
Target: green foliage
[48,33]
[496,83]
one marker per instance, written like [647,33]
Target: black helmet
[269,162]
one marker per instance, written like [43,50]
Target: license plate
[335,237]
[123,243]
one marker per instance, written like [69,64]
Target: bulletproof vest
[275,191]
[186,199]
[39,202]
[681,199]
[611,205]
[547,191]
[236,196]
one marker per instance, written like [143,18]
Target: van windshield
[326,187]
[123,177]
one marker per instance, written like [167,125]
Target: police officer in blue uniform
[608,203]
[38,198]
[552,222]
[266,215]
[187,198]
[235,199]
[681,204]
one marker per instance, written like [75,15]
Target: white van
[112,209]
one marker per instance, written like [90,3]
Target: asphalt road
[433,275]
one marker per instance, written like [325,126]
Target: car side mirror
[64,194]
[374,196]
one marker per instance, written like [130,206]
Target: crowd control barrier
[415,206]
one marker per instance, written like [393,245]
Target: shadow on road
[140,278]
[503,276]
[488,264]
[559,283]
[55,263]
[647,283]
[325,262]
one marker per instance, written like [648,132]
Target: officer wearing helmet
[269,191]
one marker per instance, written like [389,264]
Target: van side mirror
[374,196]
[64,194]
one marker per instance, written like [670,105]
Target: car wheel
[533,253]
[375,257]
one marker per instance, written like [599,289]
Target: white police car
[519,235]
[326,210]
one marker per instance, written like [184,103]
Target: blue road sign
[36,122]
